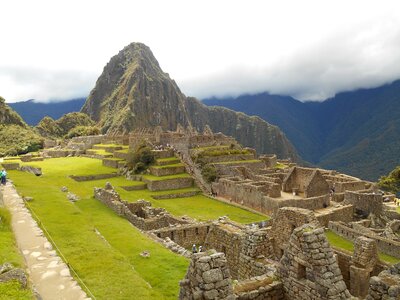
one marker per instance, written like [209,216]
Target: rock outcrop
[133,92]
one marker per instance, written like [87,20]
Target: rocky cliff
[134,92]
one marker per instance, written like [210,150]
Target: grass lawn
[109,263]
[340,242]
[9,253]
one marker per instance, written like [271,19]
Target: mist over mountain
[354,132]
[32,111]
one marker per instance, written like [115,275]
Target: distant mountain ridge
[134,92]
[32,112]
[355,132]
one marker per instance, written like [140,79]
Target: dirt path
[49,276]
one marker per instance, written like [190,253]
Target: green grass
[112,269]
[122,151]
[204,208]
[99,152]
[13,290]
[342,243]
[9,253]
[167,159]
[280,166]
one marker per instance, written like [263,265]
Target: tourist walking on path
[3,175]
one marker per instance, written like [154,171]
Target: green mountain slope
[355,132]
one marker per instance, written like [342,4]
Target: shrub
[18,140]
[391,182]
[209,173]
[82,131]
[140,159]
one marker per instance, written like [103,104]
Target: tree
[391,182]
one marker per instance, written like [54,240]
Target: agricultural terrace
[103,248]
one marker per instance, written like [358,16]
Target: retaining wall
[169,184]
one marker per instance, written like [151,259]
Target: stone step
[167,170]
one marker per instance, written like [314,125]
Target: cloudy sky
[55,50]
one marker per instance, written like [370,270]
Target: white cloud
[309,49]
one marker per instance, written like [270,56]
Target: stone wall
[229,169]
[343,213]
[269,160]
[169,184]
[384,245]
[185,235]
[365,202]
[93,177]
[286,220]
[10,166]
[208,277]
[226,158]
[259,288]
[308,268]
[140,214]
[386,285]
[227,238]
[164,171]
[110,162]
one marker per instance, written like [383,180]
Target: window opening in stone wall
[184,233]
[197,231]
[301,271]
[172,235]
[223,249]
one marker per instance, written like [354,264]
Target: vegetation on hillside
[8,115]
[70,125]
[82,131]
[391,182]
[16,140]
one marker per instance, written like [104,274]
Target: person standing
[3,175]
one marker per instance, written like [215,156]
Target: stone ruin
[141,214]
[309,269]
[208,277]
[386,285]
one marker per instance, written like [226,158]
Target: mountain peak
[133,92]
